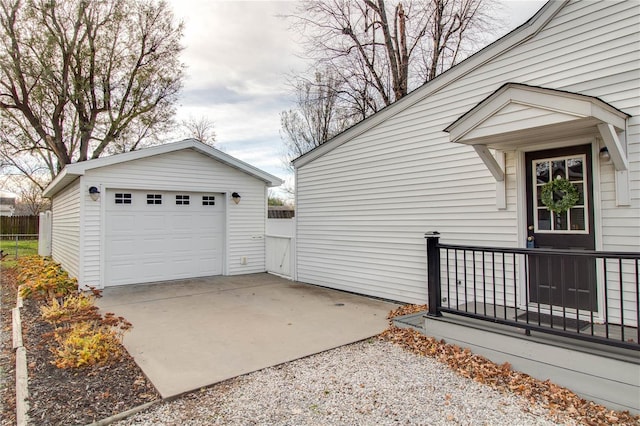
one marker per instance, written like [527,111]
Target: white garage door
[157,236]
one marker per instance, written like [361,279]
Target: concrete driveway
[192,333]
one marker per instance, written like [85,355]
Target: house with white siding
[7,203]
[173,211]
[525,158]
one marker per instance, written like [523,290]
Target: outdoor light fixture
[604,154]
[94,193]
[236,197]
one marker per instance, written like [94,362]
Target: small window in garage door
[208,200]
[182,200]
[122,198]
[154,198]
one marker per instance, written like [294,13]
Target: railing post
[433,273]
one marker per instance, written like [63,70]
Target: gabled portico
[519,117]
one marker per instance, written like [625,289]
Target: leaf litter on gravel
[561,402]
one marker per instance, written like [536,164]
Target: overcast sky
[238,56]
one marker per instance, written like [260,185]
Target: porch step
[415,321]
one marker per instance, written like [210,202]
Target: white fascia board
[227,159]
[495,49]
[59,182]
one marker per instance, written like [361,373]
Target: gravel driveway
[367,383]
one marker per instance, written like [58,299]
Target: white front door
[162,235]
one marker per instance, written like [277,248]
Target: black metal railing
[581,294]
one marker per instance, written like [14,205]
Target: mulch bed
[74,396]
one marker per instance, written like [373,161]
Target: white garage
[174,211]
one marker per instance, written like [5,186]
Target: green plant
[568,195]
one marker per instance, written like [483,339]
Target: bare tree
[79,78]
[382,50]
[35,165]
[317,116]
[29,191]
[201,129]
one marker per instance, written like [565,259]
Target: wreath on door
[568,195]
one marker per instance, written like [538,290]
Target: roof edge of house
[505,43]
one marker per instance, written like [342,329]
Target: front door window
[571,168]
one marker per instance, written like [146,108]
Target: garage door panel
[155,222]
[122,269]
[122,246]
[182,222]
[211,240]
[207,260]
[183,267]
[121,223]
[179,249]
[208,267]
[152,263]
[154,242]
[152,249]
[208,223]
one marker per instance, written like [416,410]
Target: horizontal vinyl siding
[65,229]
[188,170]
[363,208]
[91,237]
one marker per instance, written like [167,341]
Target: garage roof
[72,171]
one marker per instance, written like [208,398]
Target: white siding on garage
[362,208]
[195,172]
[65,229]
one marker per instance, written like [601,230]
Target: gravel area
[367,383]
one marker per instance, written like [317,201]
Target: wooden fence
[278,212]
[19,225]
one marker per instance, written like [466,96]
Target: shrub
[42,278]
[82,337]
[74,308]
[86,344]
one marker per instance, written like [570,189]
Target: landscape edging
[22,389]
[124,414]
